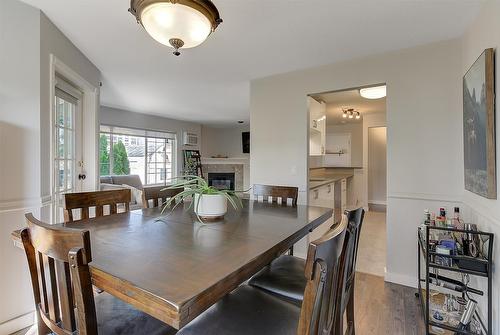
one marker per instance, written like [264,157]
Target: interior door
[67,145]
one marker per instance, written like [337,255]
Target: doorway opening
[346,164]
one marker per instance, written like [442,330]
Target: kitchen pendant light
[376,92]
[177,23]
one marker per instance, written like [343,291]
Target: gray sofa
[132,181]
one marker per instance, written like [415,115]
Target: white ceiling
[210,83]
[335,101]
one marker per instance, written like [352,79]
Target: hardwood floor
[381,308]
[384,308]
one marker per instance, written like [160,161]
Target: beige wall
[416,79]
[20,151]
[223,141]
[53,41]
[356,131]
[377,165]
[25,139]
[485,33]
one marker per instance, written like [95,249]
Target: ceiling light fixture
[358,116]
[344,114]
[177,23]
[351,113]
[376,92]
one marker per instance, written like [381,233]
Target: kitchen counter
[315,182]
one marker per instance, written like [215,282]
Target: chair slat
[85,213]
[65,296]
[99,210]
[41,281]
[51,287]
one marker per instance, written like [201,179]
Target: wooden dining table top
[173,267]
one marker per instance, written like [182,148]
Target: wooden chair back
[348,268]
[155,194]
[278,194]
[319,307]
[58,260]
[86,200]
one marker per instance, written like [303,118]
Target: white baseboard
[400,279]
[18,323]
[377,202]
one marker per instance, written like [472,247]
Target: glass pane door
[67,156]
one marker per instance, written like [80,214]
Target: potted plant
[208,202]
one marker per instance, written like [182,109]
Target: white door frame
[90,122]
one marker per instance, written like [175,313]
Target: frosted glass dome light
[376,92]
[177,23]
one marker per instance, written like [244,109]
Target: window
[149,154]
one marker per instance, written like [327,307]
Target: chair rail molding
[24,204]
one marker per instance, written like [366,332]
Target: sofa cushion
[132,180]
[136,194]
[106,180]
[110,187]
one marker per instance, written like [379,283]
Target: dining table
[173,267]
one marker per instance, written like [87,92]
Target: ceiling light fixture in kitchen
[375,92]
[177,23]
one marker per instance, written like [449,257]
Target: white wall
[417,135]
[484,33]
[356,131]
[118,117]
[377,162]
[223,141]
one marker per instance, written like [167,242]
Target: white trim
[425,196]
[401,279]
[24,204]
[18,323]
[377,202]
[90,122]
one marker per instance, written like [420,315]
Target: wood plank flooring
[381,308]
[385,308]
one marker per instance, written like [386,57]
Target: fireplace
[221,181]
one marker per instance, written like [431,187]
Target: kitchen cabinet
[317,127]
[323,196]
[331,195]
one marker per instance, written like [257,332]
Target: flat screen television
[245,140]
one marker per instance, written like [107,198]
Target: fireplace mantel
[231,160]
[239,165]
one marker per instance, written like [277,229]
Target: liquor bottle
[467,316]
[457,221]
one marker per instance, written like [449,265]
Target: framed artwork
[479,126]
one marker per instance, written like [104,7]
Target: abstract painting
[479,126]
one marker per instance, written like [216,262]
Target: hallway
[372,245]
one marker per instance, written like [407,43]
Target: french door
[67,145]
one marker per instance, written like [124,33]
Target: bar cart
[445,273]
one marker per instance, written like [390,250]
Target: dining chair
[248,310]
[58,259]
[278,194]
[284,195]
[156,193]
[283,277]
[86,200]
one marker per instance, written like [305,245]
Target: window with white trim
[149,154]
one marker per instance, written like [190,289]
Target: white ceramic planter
[210,206]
